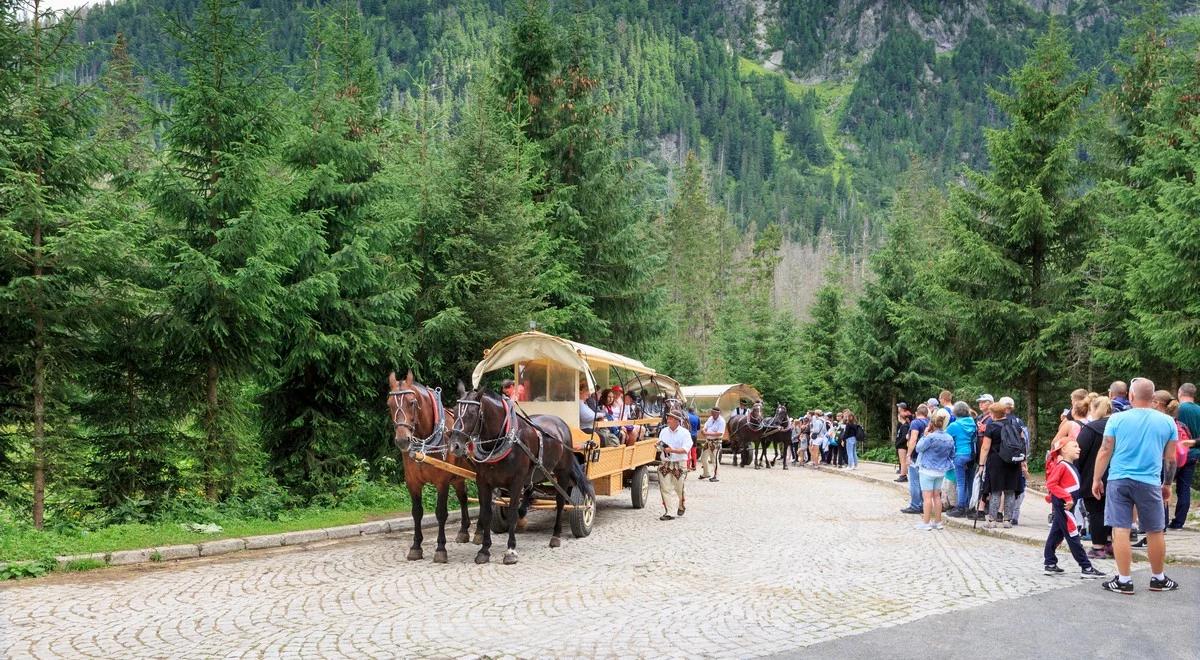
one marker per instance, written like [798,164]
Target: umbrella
[976,495]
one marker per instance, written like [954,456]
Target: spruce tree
[1010,268]
[1163,285]
[60,234]
[695,276]
[599,286]
[483,246]
[228,205]
[881,364]
[348,294]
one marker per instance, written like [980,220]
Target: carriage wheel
[499,519]
[583,516]
[639,487]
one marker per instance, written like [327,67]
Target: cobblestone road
[764,562]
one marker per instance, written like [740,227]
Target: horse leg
[442,513]
[564,483]
[786,448]
[760,452]
[414,494]
[526,501]
[484,523]
[514,507]
[464,510]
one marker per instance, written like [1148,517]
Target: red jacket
[1062,481]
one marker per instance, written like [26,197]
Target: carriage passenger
[587,414]
[633,411]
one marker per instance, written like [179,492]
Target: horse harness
[432,444]
[504,443]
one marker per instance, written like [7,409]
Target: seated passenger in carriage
[611,436]
[509,389]
[629,410]
[587,413]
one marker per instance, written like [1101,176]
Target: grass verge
[24,543]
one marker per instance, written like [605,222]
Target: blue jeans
[964,476]
[1183,492]
[914,487]
[852,452]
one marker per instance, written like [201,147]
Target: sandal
[667,517]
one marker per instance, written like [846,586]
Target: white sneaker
[939,526]
[922,527]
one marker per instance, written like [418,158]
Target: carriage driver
[714,430]
[676,442]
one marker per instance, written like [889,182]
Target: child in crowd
[1062,482]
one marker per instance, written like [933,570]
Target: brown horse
[512,453]
[752,431]
[421,422]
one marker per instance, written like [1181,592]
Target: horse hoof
[415,554]
[440,557]
[555,542]
[522,523]
[462,537]
[482,557]
[510,557]
[478,539]
[785,467]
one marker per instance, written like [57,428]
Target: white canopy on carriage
[725,397]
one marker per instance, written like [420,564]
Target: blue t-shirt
[694,423]
[963,432]
[919,425]
[1139,437]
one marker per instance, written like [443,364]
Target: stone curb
[226,546]
[998,532]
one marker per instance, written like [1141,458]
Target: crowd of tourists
[825,438]
[1114,463]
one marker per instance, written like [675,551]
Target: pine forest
[223,223]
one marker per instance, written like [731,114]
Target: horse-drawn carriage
[727,398]
[557,463]
[548,371]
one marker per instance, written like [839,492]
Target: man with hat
[675,443]
[713,433]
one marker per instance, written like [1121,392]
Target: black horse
[507,449]
[752,431]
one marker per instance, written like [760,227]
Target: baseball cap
[932,403]
[985,397]
[902,406]
[1007,400]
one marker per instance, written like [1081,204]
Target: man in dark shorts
[1139,454]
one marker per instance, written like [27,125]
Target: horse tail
[581,481]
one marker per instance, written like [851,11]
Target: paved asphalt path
[1097,624]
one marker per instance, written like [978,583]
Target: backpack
[1012,443]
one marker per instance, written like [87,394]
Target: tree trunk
[39,417]
[212,437]
[1031,407]
[891,412]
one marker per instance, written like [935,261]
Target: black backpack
[1012,443]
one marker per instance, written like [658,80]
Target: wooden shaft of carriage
[463,472]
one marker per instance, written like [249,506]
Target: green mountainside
[806,111]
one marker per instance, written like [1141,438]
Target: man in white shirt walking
[712,433]
[676,442]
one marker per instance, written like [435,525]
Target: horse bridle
[418,444]
[474,439]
